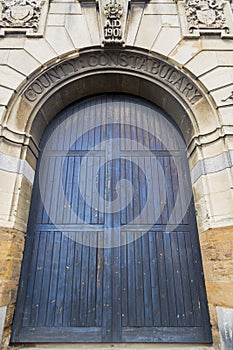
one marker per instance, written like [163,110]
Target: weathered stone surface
[225,321]
[217,253]
[59,40]
[186,49]
[203,62]
[10,78]
[219,77]
[74,24]
[167,40]
[5,95]
[65,8]
[2,319]
[22,61]
[11,253]
[148,31]
[40,50]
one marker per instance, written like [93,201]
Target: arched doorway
[112,252]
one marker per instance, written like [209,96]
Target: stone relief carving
[21,13]
[113,27]
[112,19]
[203,14]
[23,16]
[206,17]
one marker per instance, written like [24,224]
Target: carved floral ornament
[22,16]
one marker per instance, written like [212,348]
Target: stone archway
[93,71]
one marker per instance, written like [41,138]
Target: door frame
[91,76]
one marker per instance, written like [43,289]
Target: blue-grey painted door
[112,251]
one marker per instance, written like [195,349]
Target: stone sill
[98,346]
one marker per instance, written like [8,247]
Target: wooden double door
[112,251]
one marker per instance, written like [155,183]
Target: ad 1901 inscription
[130,61]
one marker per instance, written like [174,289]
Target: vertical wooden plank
[29,285]
[156,204]
[116,294]
[177,279]
[189,321]
[42,174]
[122,174]
[162,280]
[107,295]
[99,280]
[193,283]
[131,282]
[38,279]
[46,280]
[79,131]
[176,188]
[89,193]
[75,192]
[58,202]
[76,297]
[136,190]
[146,277]
[50,314]
[171,276]
[59,308]
[145,184]
[68,190]
[202,299]
[69,279]
[124,279]
[163,193]
[83,309]
[82,185]
[154,273]
[95,196]
[169,191]
[48,186]
[91,319]
[140,312]
[102,181]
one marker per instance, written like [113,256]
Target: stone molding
[212,165]
[132,61]
[125,64]
[26,17]
[17,166]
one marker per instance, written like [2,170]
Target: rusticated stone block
[217,256]
[11,253]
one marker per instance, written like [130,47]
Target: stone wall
[160,29]
[11,254]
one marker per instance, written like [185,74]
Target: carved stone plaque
[112,17]
[113,28]
[205,17]
[22,16]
